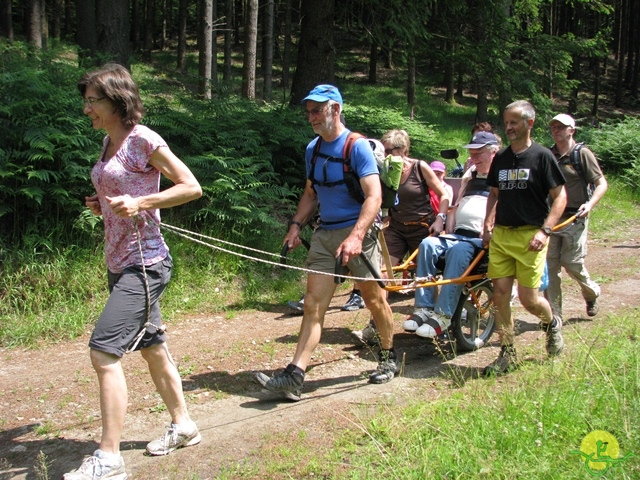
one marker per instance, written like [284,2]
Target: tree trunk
[621,44]
[68,17]
[135,25]
[411,81]
[149,26]
[204,48]
[214,44]
[183,12]
[449,78]
[57,11]
[482,102]
[574,74]
[6,21]
[45,24]
[459,85]
[373,62]
[596,90]
[250,50]
[113,30]
[86,34]
[267,51]
[164,14]
[316,51]
[226,71]
[286,56]
[34,22]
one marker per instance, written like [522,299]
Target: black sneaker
[593,308]
[287,383]
[506,362]
[555,342]
[355,302]
[387,368]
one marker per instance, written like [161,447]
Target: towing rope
[190,236]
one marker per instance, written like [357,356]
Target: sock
[186,427]
[109,458]
[295,370]
[388,354]
[356,291]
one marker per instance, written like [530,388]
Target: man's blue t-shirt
[338,209]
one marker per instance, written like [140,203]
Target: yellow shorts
[509,255]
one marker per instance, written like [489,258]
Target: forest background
[221,82]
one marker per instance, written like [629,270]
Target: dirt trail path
[49,404]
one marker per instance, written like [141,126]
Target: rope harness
[146,324]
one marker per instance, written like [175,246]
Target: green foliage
[46,150]
[617,146]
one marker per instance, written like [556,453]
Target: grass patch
[528,424]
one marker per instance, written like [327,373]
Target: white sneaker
[175,437]
[99,467]
[417,319]
[434,326]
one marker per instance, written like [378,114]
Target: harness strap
[146,323]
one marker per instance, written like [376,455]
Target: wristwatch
[443,216]
[293,222]
[547,231]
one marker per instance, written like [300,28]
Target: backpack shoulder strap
[576,162]
[348,146]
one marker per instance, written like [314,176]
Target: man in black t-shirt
[517,227]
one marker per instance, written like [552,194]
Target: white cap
[564,119]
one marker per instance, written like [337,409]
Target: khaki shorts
[325,243]
[509,255]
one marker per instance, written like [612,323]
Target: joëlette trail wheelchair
[473,320]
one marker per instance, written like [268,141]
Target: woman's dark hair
[482,127]
[114,82]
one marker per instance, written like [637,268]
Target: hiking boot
[417,319]
[387,367]
[288,383]
[593,308]
[297,307]
[368,335]
[354,303]
[506,362]
[98,467]
[555,342]
[434,325]
[175,437]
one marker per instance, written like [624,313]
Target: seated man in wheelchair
[465,220]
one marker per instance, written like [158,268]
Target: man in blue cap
[345,228]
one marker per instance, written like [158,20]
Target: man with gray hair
[568,247]
[346,228]
[460,245]
[517,227]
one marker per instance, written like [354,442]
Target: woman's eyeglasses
[88,102]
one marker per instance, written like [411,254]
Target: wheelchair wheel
[474,319]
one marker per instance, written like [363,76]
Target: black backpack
[577,165]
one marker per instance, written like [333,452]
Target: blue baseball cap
[324,93]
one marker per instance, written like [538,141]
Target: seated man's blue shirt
[337,207]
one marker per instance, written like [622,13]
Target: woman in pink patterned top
[127,182]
